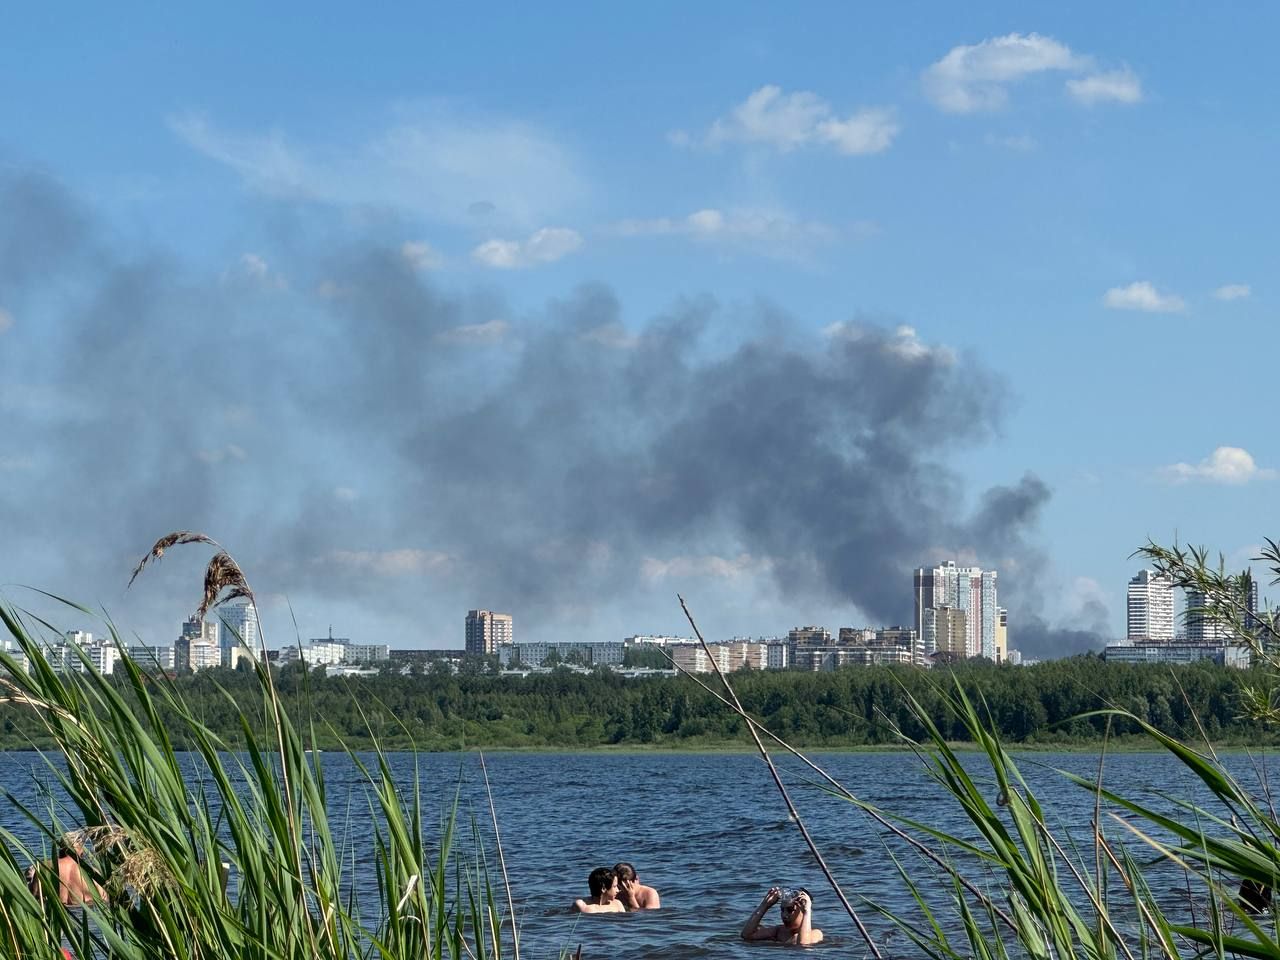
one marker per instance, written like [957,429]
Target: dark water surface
[710,831]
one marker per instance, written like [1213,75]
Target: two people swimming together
[617,891]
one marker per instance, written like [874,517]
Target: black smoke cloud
[540,459]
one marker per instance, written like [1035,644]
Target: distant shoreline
[733,749]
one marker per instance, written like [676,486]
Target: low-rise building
[1179,651]
[152,658]
[587,653]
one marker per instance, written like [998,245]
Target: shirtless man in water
[632,892]
[797,919]
[75,886]
[604,893]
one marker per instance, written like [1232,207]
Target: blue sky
[300,278]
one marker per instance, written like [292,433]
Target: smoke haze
[362,440]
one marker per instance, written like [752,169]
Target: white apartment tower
[486,630]
[1150,607]
[239,622]
[1204,626]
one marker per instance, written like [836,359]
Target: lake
[710,831]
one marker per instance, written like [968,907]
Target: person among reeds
[1254,897]
[797,918]
[634,894]
[75,886]
[604,893]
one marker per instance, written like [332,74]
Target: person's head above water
[602,881]
[793,904]
[70,846]
[625,872]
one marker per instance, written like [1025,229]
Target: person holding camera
[797,918]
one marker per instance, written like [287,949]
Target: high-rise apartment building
[486,630]
[946,624]
[1150,607]
[238,622]
[1202,624]
[969,589]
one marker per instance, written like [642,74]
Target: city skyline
[413,322]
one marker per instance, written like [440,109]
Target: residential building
[152,658]
[196,632]
[777,654]
[728,657]
[1002,635]
[603,653]
[655,640]
[897,645]
[1150,607]
[809,637]
[1178,651]
[969,589]
[238,624]
[1204,626]
[203,655]
[856,635]
[947,627]
[933,588]
[487,631]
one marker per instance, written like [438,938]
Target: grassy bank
[154,842]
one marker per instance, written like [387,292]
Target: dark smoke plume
[348,429]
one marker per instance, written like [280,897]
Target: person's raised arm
[807,933]
[751,929]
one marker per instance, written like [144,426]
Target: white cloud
[390,563]
[421,256]
[491,331]
[762,232]
[224,454]
[431,160]
[1233,465]
[345,494]
[255,270]
[708,565]
[1115,86]
[1143,296]
[6,320]
[545,246]
[904,343]
[790,120]
[977,77]
[1230,291]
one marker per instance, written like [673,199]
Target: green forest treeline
[860,706]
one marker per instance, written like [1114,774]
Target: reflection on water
[708,830]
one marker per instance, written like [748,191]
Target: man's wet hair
[625,872]
[600,879]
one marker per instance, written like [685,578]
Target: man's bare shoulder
[584,906]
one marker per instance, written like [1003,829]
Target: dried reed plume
[140,867]
[223,573]
[171,540]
